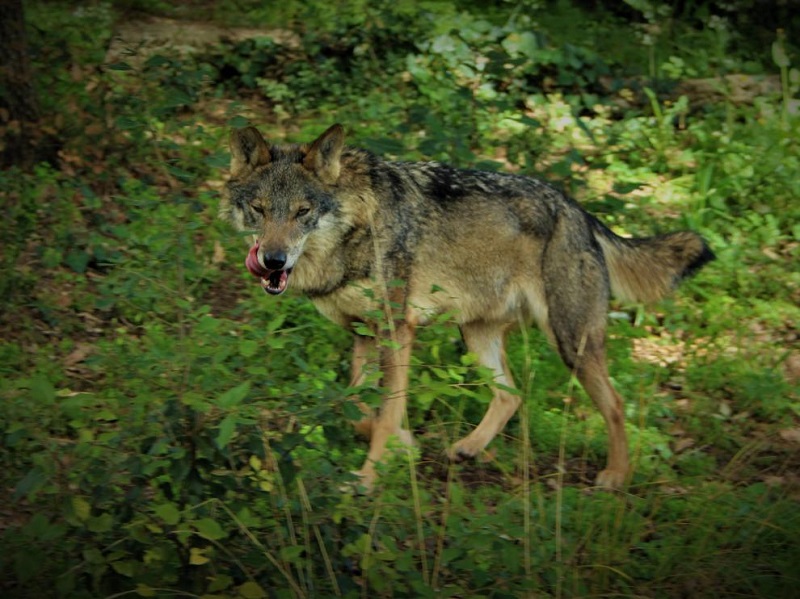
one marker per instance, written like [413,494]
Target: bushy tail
[646,269]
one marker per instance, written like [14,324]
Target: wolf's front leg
[395,359]
[364,350]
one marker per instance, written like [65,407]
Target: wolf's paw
[362,485]
[464,450]
[611,479]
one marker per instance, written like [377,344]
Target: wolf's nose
[275,260]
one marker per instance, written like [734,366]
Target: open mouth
[276,281]
[273,282]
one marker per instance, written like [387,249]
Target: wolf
[382,247]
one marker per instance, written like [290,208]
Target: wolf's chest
[354,302]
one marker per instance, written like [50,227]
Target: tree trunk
[19,106]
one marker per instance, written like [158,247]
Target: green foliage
[166,429]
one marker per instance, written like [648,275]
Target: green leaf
[292,554]
[385,145]
[119,66]
[197,557]
[220,582]
[125,567]
[276,322]
[101,523]
[238,122]
[37,525]
[361,329]
[248,348]
[626,187]
[521,44]
[444,44]
[246,518]
[169,513]
[352,411]
[251,590]
[176,97]
[81,508]
[233,397]
[27,564]
[209,529]
[255,462]
[218,159]
[779,55]
[181,174]
[529,121]
[42,391]
[156,60]
[77,260]
[125,122]
[30,483]
[93,555]
[226,429]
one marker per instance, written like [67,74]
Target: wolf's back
[647,269]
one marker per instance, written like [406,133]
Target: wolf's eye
[303,211]
[258,208]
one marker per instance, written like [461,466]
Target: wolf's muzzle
[274,279]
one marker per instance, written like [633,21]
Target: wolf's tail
[646,269]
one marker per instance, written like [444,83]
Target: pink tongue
[253,265]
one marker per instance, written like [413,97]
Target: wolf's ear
[323,156]
[248,150]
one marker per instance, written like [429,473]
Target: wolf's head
[281,194]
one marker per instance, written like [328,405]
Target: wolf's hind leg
[577,298]
[592,372]
[486,341]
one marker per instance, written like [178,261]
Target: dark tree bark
[19,106]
